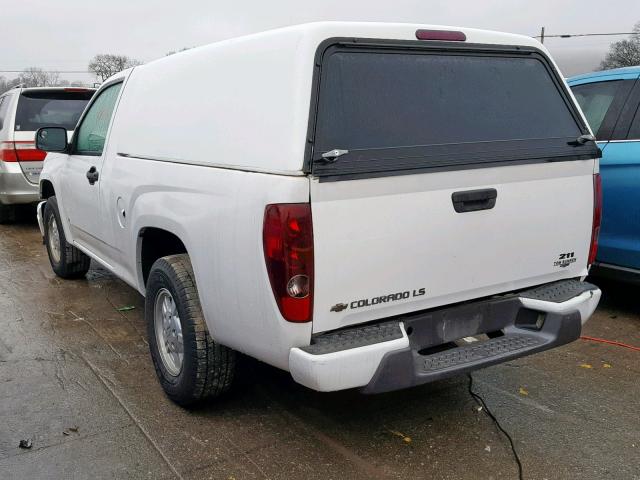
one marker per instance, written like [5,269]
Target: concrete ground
[77,379]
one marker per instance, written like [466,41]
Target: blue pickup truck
[610,100]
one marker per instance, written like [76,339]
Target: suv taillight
[597,217]
[288,251]
[21,152]
[8,152]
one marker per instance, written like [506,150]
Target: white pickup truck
[365,205]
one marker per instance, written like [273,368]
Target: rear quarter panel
[218,214]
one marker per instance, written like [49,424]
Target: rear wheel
[66,260]
[190,365]
[7,213]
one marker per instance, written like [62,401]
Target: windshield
[52,108]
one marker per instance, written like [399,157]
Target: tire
[207,369]
[7,213]
[66,260]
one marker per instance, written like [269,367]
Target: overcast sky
[66,34]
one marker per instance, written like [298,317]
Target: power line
[542,35]
[47,71]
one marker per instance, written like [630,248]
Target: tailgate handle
[474,200]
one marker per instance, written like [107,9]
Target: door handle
[474,200]
[92,175]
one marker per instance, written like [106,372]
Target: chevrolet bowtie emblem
[338,307]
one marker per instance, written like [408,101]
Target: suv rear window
[52,108]
[422,109]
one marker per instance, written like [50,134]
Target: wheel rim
[168,332]
[54,239]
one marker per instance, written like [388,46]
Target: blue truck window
[596,99]
[634,131]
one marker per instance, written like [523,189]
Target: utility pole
[542,35]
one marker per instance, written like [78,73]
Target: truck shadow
[332,414]
[617,295]
[24,215]
[379,435]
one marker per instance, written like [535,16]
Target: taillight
[8,152]
[27,152]
[287,237]
[21,152]
[597,217]
[444,35]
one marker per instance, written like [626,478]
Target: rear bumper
[417,349]
[14,187]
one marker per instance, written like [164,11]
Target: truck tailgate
[392,245]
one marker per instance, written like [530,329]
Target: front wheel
[190,365]
[66,260]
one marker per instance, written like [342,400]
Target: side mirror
[51,139]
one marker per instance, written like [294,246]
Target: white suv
[364,205]
[22,112]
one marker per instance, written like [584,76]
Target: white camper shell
[349,201]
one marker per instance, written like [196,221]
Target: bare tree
[625,53]
[7,84]
[173,52]
[104,65]
[36,77]
[33,77]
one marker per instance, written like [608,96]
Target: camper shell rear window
[404,107]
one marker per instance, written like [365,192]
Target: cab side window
[634,107]
[634,131]
[92,132]
[596,101]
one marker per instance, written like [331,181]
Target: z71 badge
[367,302]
